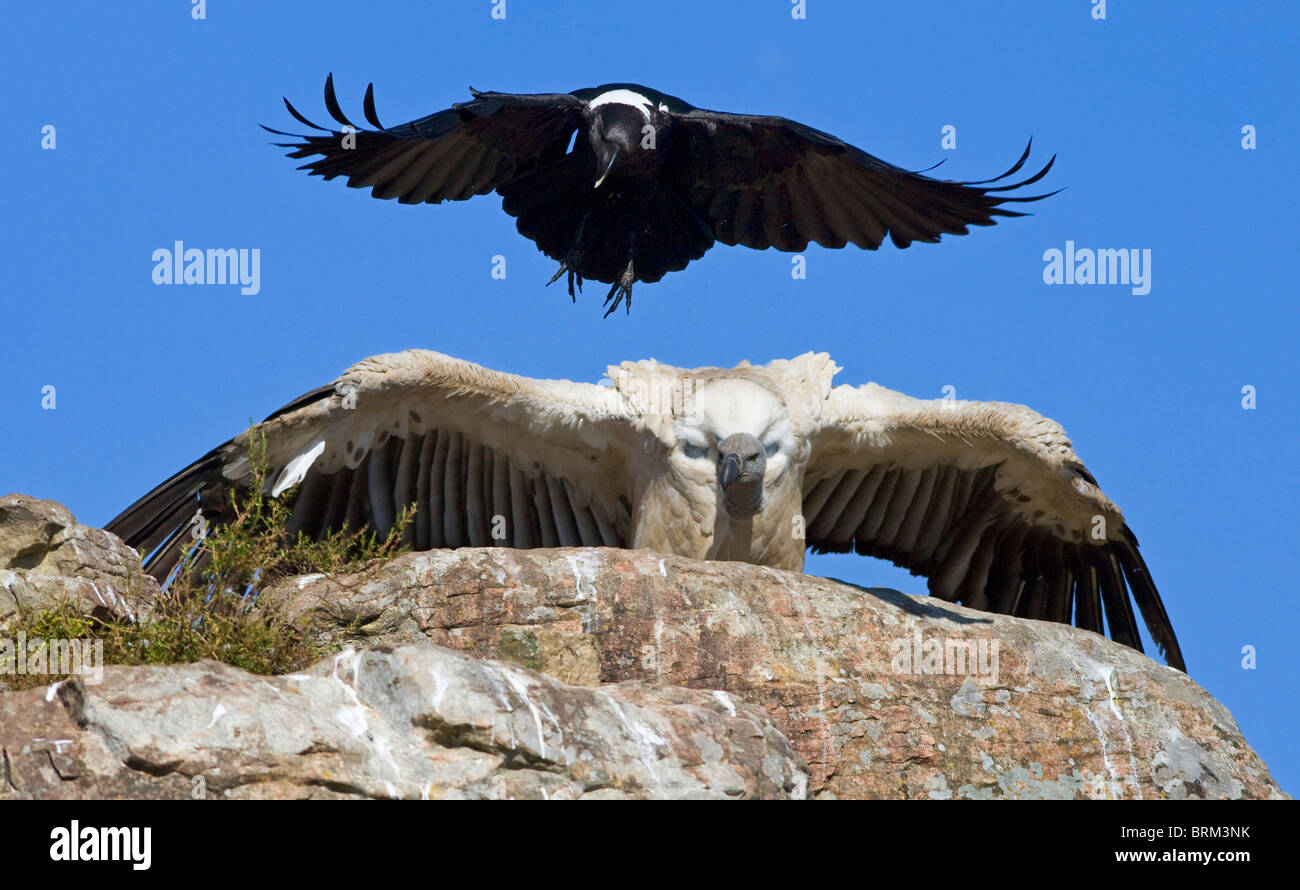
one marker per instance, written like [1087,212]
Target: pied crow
[621,183]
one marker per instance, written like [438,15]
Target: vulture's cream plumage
[757,463]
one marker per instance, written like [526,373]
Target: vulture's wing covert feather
[773,182]
[468,149]
[988,501]
[489,459]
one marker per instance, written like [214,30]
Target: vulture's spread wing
[988,501]
[489,459]
[469,149]
[772,182]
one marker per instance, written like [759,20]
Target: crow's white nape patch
[296,470]
[624,97]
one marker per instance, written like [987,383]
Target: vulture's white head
[736,433]
[731,447]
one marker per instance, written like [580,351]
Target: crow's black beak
[607,168]
[730,470]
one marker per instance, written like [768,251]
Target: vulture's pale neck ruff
[734,458]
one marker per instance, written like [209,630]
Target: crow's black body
[650,182]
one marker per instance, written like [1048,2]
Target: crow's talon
[572,263]
[619,291]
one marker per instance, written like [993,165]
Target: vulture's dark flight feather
[650,182]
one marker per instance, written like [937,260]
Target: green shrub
[213,613]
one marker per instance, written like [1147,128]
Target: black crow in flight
[621,183]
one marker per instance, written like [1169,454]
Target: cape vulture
[621,183]
[756,463]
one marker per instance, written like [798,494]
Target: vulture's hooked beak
[741,465]
[608,167]
[730,470]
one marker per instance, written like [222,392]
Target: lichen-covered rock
[634,675]
[407,723]
[883,694]
[48,560]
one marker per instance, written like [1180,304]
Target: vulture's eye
[772,448]
[694,452]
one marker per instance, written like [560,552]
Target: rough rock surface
[406,723]
[1044,710]
[668,677]
[48,559]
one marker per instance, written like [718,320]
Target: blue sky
[156,113]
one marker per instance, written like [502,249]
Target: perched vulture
[756,463]
[620,183]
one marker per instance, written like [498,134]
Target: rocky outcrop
[49,560]
[408,723]
[883,694]
[605,673]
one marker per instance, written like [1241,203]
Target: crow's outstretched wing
[988,501]
[468,149]
[772,182]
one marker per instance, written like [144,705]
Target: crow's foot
[572,263]
[620,290]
